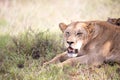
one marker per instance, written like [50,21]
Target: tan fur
[101,42]
[106,48]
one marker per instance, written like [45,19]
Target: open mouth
[72,52]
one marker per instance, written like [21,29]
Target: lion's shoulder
[107,25]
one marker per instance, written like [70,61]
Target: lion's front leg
[74,61]
[86,59]
[57,59]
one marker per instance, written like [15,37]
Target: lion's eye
[79,34]
[67,33]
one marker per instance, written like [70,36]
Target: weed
[24,48]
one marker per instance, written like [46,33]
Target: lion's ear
[96,29]
[62,26]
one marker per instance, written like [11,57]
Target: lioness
[90,42]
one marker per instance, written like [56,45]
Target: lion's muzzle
[72,52]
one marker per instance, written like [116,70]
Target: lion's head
[115,21]
[77,35]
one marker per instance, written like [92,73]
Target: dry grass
[18,15]
[29,36]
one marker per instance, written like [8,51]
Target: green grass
[30,36]
[4,39]
[17,62]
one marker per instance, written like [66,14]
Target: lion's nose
[70,42]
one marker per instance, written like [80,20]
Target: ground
[30,36]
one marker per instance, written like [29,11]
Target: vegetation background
[30,36]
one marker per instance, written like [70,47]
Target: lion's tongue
[70,50]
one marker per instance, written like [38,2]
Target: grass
[4,39]
[27,51]
[29,36]
[22,58]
